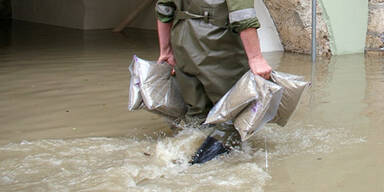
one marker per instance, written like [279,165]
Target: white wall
[269,37]
[348,21]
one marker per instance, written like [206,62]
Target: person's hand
[169,58]
[259,66]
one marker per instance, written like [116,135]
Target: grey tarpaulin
[152,85]
[294,87]
[254,101]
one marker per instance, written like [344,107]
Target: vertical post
[312,97]
[313,31]
[266,153]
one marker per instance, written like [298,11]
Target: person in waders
[210,44]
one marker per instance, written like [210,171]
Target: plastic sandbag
[153,85]
[252,102]
[135,101]
[294,87]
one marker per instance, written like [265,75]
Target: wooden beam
[133,15]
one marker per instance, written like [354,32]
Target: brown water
[64,125]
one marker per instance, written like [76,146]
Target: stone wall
[293,21]
[375,33]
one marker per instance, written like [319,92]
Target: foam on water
[123,164]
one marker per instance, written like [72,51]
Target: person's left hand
[259,66]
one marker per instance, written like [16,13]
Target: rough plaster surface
[375,32]
[293,21]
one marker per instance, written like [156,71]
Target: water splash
[122,164]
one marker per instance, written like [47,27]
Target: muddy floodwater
[64,123]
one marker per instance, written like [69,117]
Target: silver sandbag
[134,100]
[294,87]
[251,102]
[156,87]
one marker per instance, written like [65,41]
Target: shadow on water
[5,32]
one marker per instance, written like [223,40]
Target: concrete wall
[102,14]
[347,21]
[5,9]
[269,37]
[67,13]
[81,14]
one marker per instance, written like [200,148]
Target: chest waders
[210,57]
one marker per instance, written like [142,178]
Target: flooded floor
[64,123]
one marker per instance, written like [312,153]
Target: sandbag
[294,87]
[135,101]
[251,102]
[153,86]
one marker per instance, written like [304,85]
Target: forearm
[164,32]
[166,52]
[251,43]
[256,61]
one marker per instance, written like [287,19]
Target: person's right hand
[259,66]
[169,58]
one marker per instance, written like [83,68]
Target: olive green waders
[210,57]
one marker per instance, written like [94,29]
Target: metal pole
[313,31]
